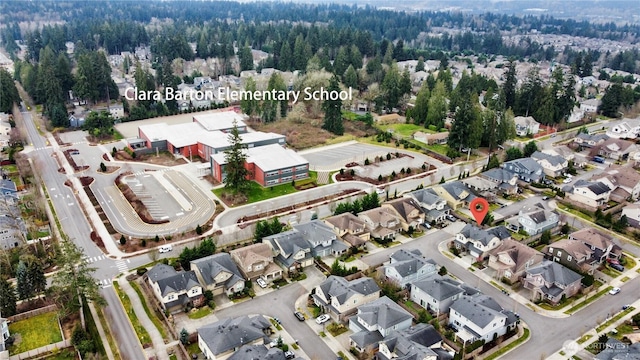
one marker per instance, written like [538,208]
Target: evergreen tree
[7,298]
[530,148]
[270,107]
[342,61]
[246,58]
[420,65]
[23,287]
[466,130]
[333,110]
[9,92]
[235,156]
[513,153]
[351,77]
[301,53]
[509,86]
[286,55]
[419,112]
[248,105]
[437,109]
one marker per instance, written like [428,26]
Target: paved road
[127,341]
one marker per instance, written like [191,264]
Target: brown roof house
[624,180]
[551,281]
[511,259]
[349,228]
[603,246]
[383,223]
[583,251]
[256,261]
[408,210]
[437,138]
[617,149]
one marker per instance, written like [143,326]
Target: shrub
[141,271]
[199,230]
[143,243]
[123,240]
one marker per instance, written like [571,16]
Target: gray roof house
[432,204]
[321,238]
[589,140]
[552,165]
[551,281]
[421,341]
[534,221]
[219,274]
[375,320]
[406,266]
[590,193]
[7,186]
[257,352]
[526,169]
[340,297]
[507,181]
[617,350]
[13,231]
[436,293]
[455,193]
[382,223]
[174,289]
[480,317]
[226,336]
[478,241]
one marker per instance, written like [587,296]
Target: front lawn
[404,130]
[258,193]
[588,300]
[200,313]
[34,332]
[336,329]
[439,148]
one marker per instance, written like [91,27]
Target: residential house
[623,131]
[624,180]
[590,106]
[431,139]
[321,238]
[382,222]
[224,337]
[535,221]
[421,341]
[4,333]
[340,297]
[219,274]
[8,187]
[589,193]
[615,349]
[551,281]
[408,210]
[175,290]
[478,241]
[603,246]
[407,266]
[552,165]
[589,140]
[617,149]
[480,317]
[526,169]
[507,181]
[512,258]
[434,207]
[257,352]
[456,194]
[632,212]
[376,320]
[13,230]
[572,254]
[481,186]
[436,293]
[349,228]
[256,261]
[526,125]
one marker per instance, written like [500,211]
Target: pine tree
[437,108]
[246,58]
[333,110]
[509,85]
[23,287]
[421,108]
[351,77]
[235,156]
[7,298]
[35,273]
[250,105]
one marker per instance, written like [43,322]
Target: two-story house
[590,193]
[322,239]
[408,210]
[526,125]
[632,212]
[478,241]
[527,169]
[406,266]
[4,334]
[434,207]
[552,165]
[350,228]
[436,293]
[219,274]
[291,250]
[617,149]
[480,317]
[512,258]
[383,223]
[456,194]
[224,337]
[572,254]
[507,181]
[588,141]
[376,320]
[340,297]
[535,221]
[623,130]
[603,246]
[421,341]
[256,261]
[175,290]
[551,281]
[624,181]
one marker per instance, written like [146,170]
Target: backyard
[404,130]
[34,332]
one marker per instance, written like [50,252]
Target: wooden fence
[32,313]
[42,350]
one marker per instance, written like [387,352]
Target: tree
[8,90]
[545,238]
[103,167]
[442,180]
[493,162]
[513,153]
[246,58]
[249,104]
[530,148]
[509,86]
[333,110]
[270,107]
[437,108]
[7,298]
[99,123]
[466,130]
[235,156]
[420,65]
[30,279]
[123,240]
[442,271]
[419,112]
[184,336]
[351,77]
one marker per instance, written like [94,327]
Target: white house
[478,241]
[591,194]
[623,131]
[526,125]
[376,320]
[407,266]
[4,333]
[480,317]
[552,165]
[536,221]
[436,293]
[624,182]
[590,106]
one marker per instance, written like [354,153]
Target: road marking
[179,214]
[70,204]
[122,266]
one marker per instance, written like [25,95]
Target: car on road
[299,315]
[322,319]
[289,354]
[261,283]
[545,198]
[567,180]
[165,249]
[614,291]
[626,306]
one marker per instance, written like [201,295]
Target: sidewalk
[103,336]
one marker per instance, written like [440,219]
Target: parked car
[261,282]
[613,261]
[451,217]
[617,267]
[614,291]
[289,354]
[273,343]
[322,319]
[599,159]
[567,180]
[299,315]
[625,307]
[545,198]
[165,248]
[427,226]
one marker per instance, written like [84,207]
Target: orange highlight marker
[479,208]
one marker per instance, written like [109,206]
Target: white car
[614,291]
[165,249]
[322,319]
[567,180]
[262,283]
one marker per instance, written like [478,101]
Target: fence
[32,313]
[42,350]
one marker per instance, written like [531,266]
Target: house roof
[251,254]
[552,272]
[500,231]
[576,249]
[267,157]
[315,232]
[383,312]
[213,265]
[404,206]
[498,174]
[380,215]
[479,309]
[289,242]
[439,287]
[160,271]
[8,185]
[342,289]
[228,334]
[408,262]
[621,176]
[347,221]
[425,196]
[458,190]
[472,232]
[525,121]
[222,120]
[592,237]
[182,281]
[538,216]
[528,164]
[257,352]
[519,253]
[554,160]
[597,188]
[617,145]
[617,350]
[421,336]
[632,211]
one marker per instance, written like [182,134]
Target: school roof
[219,121]
[268,158]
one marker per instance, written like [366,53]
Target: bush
[143,243]
[199,230]
[123,240]
[141,271]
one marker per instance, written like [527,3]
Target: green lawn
[258,193]
[615,318]
[35,332]
[404,129]
[10,168]
[154,318]
[507,348]
[439,148]
[141,332]
[588,301]
[200,313]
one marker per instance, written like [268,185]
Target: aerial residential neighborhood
[265,180]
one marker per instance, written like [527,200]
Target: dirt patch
[307,133]
[109,169]
[135,202]
[72,162]
[97,239]
[86,180]
[56,135]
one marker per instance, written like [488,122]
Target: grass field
[154,318]
[34,332]
[439,148]
[404,129]
[200,313]
[258,193]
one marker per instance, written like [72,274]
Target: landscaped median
[615,318]
[141,332]
[522,339]
[588,301]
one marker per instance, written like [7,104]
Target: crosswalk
[90,260]
[145,172]
[122,265]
